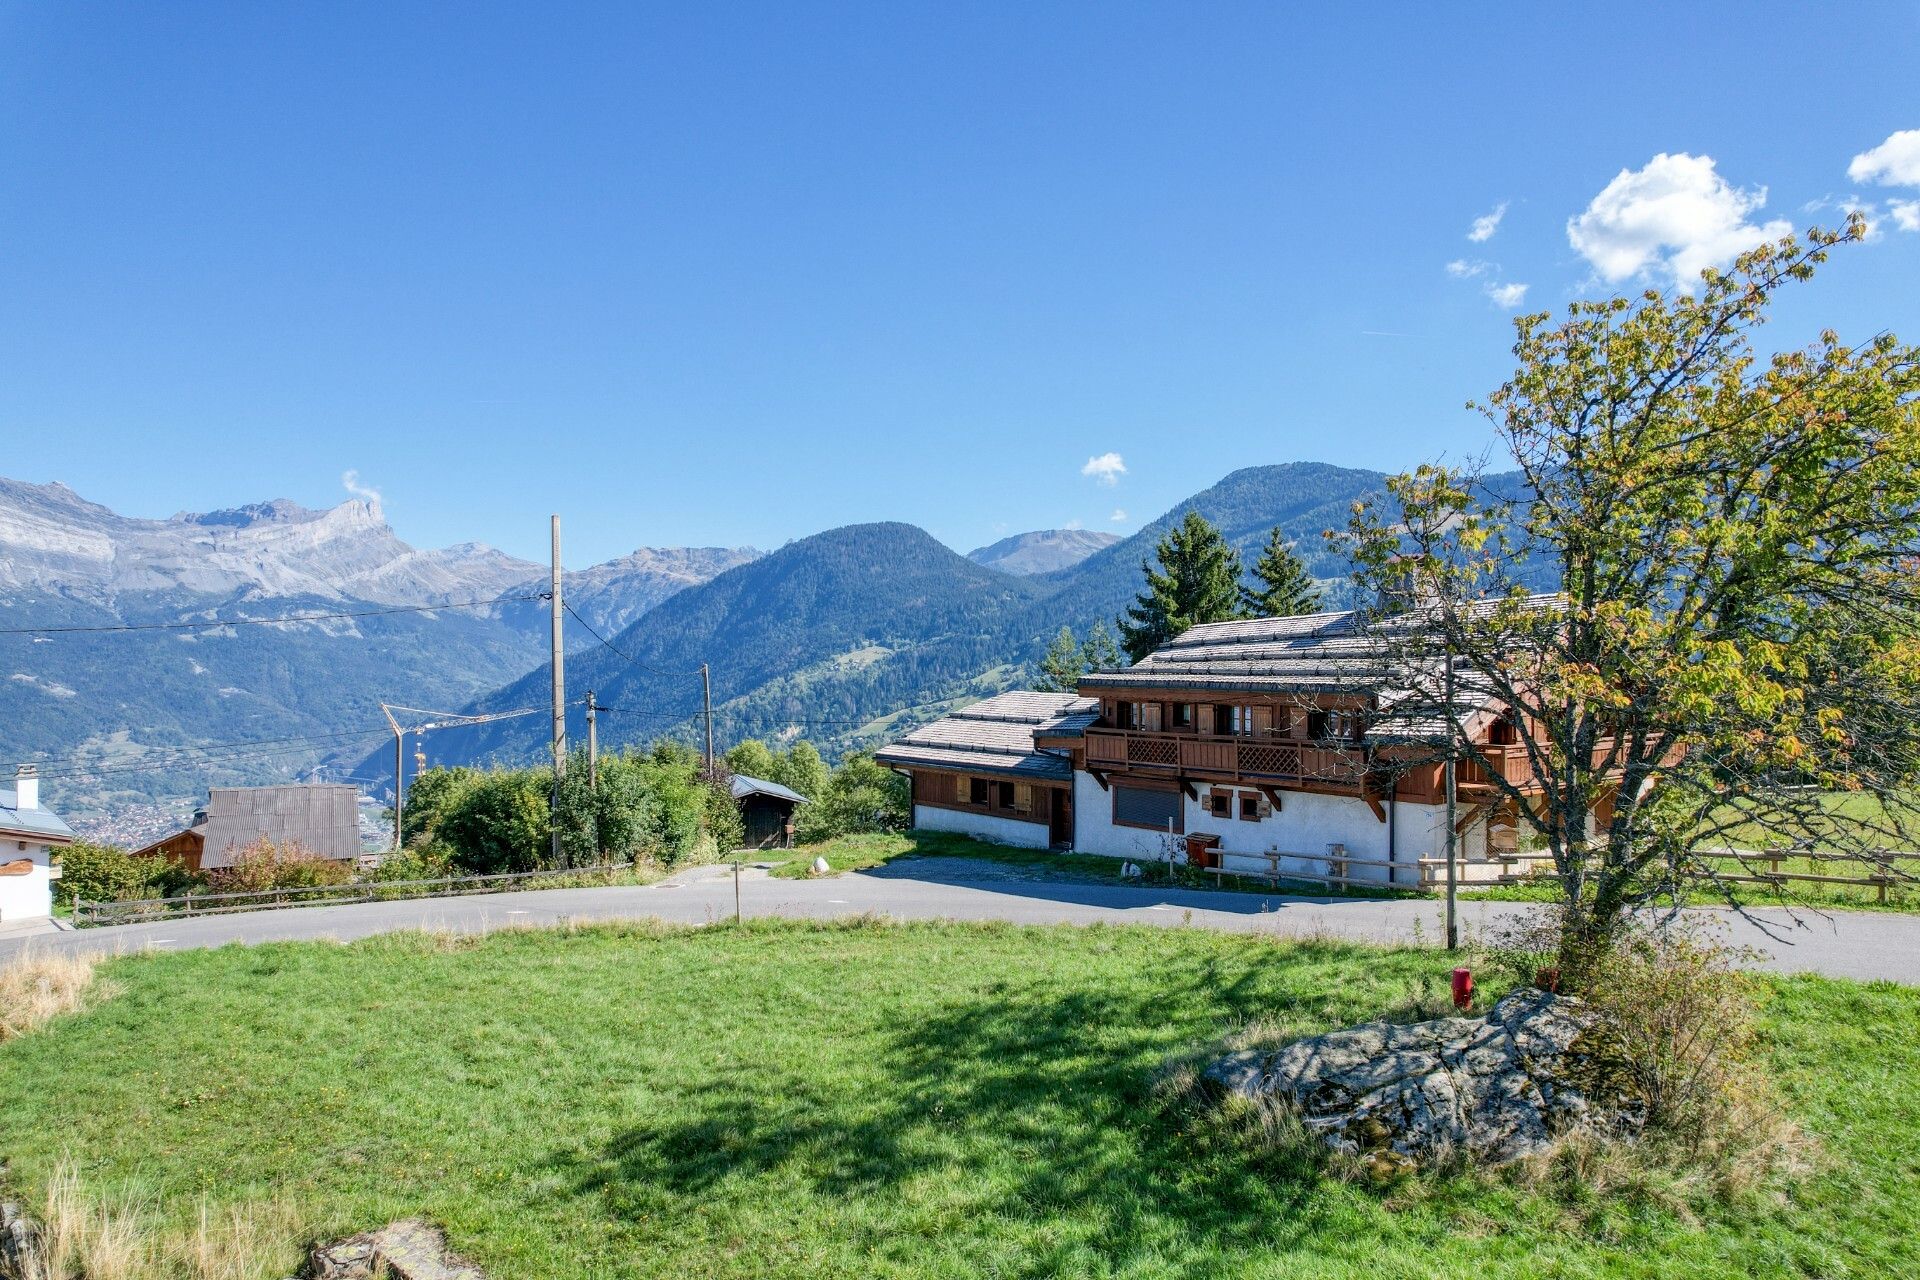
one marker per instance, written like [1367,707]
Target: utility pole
[399,771]
[559,689]
[706,698]
[593,745]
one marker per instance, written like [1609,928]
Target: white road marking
[836,902]
[516,913]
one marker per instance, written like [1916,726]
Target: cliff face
[53,540]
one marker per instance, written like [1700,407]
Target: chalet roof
[324,818]
[742,786]
[38,821]
[996,736]
[1316,653]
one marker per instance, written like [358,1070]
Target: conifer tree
[1198,581]
[1282,587]
[1100,653]
[1060,668]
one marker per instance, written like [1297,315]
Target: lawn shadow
[1019,879]
[1020,1104]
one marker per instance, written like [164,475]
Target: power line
[619,652]
[262,622]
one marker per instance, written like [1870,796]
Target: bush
[430,861]
[264,865]
[431,796]
[500,822]
[861,795]
[106,873]
[1676,1037]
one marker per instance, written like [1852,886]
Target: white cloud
[1486,224]
[1675,216]
[1894,163]
[1107,468]
[1073,524]
[1119,516]
[1463,269]
[350,481]
[1906,214]
[1506,295]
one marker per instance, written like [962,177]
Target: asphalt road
[1850,945]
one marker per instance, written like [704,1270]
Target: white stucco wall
[1306,823]
[28,897]
[982,826]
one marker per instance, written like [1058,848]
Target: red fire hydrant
[1462,989]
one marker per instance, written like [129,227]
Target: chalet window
[1144,716]
[1233,720]
[1123,714]
[1183,715]
[1249,807]
[1504,732]
[1317,724]
[1220,803]
[1004,798]
[1154,810]
[976,791]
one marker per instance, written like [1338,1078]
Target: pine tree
[1198,581]
[1100,653]
[1283,587]
[1061,667]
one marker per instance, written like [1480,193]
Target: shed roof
[38,821]
[743,786]
[323,817]
[996,736]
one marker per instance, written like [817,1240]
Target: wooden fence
[1887,873]
[89,914]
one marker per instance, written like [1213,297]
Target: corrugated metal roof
[995,736]
[323,818]
[42,821]
[742,786]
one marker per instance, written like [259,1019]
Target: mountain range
[1043,550]
[846,637]
[850,637]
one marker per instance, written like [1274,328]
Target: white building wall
[982,826]
[28,897]
[1306,823]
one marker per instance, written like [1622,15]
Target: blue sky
[734,274]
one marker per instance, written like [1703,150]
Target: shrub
[105,873]
[264,865]
[861,795]
[500,822]
[431,796]
[429,861]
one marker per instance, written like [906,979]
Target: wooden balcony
[1270,760]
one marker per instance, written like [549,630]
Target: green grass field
[788,1100]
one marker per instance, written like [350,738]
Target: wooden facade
[1043,802]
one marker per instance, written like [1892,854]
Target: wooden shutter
[1022,798]
[1262,721]
[1204,714]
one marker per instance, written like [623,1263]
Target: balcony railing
[1262,758]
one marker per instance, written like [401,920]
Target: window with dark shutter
[976,790]
[1155,810]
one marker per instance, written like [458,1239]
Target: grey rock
[409,1250]
[1499,1088]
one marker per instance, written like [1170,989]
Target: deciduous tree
[1736,536]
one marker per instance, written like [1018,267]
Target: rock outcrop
[1498,1088]
[410,1250]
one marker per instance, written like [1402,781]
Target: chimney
[26,788]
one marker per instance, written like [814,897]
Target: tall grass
[84,1234]
[35,989]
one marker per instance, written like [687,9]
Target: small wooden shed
[766,811]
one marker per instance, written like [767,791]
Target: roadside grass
[1903,897]
[867,850]
[784,1099]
